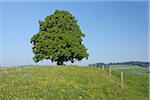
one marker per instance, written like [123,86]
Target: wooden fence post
[109,72]
[102,67]
[122,85]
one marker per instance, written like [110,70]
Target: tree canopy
[59,39]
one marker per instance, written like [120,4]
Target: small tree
[59,39]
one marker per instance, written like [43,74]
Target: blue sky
[114,31]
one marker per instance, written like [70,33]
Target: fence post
[102,67]
[109,72]
[122,85]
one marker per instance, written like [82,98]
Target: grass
[70,83]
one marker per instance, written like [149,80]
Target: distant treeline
[135,63]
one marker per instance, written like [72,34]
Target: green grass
[70,83]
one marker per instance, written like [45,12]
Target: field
[70,83]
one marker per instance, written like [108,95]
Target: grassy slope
[71,83]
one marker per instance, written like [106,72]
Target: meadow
[70,83]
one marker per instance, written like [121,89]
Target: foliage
[70,83]
[59,39]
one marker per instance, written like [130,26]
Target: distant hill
[136,63]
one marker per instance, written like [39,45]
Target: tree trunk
[60,63]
